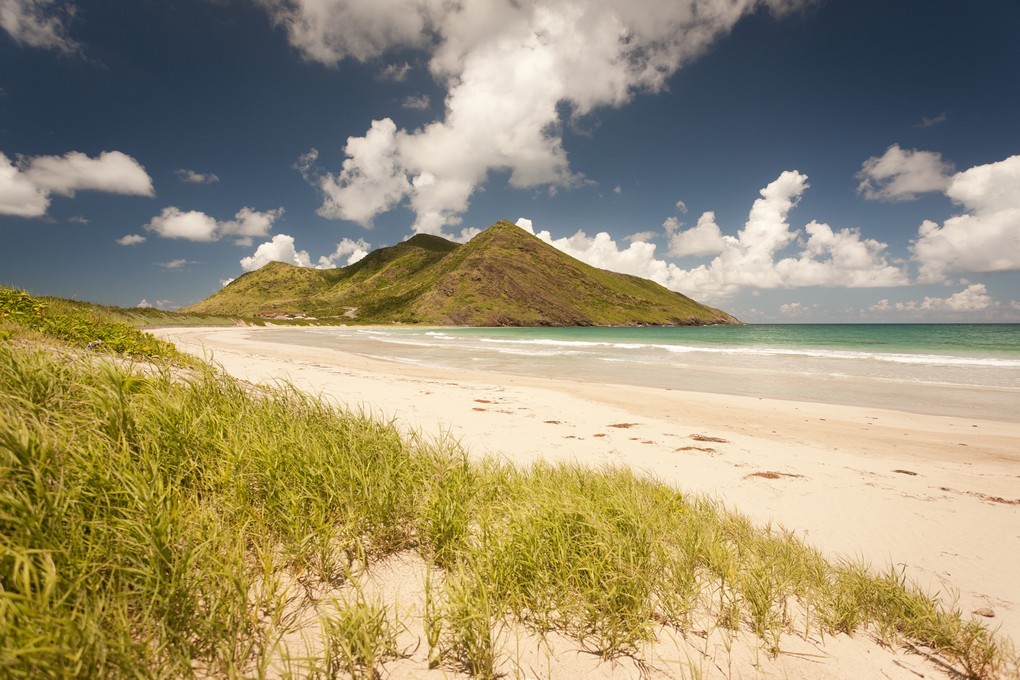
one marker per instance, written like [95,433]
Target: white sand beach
[936,496]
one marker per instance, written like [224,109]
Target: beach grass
[160,520]
[78,324]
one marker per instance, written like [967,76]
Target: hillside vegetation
[81,325]
[502,277]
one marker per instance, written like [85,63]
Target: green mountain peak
[504,276]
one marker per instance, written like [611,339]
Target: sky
[784,160]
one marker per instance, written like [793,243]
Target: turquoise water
[963,369]
[1001,341]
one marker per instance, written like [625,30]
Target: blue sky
[834,160]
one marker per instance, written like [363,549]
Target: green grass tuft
[77,324]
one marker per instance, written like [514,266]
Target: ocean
[943,369]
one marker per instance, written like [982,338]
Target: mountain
[504,276]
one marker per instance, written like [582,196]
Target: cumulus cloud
[279,249]
[641,236]
[705,238]
[193,177]
[347,248]
[840,258]
[973,298]
[794,310]
[511,68]
[165,305]
[370,182]
[282,248]
[249,223]
[767,253]
[112,171]
[986,237]
[191,225]
[602,251]
[194,225]
[18,195]
[328,31]
[37,23]
[131,239]
[26,186]
[900,175]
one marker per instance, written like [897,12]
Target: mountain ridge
[504,276]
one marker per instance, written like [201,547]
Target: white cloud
[767,253]
[986,238]
[617,189]
[131,239]
[193,177]
[882,305]
[305,164]
[641,236]
[112,171]
[37,23]
[249,223]
[25,187]
[175,264]
[704,238]
[279,249]
[681,206]
[191,225]
[18,195]
[973,298]
[602,251]
[370,182]
[840,259]
[352,250]
[282,248]
[226,282]
[418,102]
[396,72]
[165,305]
[510,68]
[328,31]
[794,310]
[194,225]
[748,260]
[899,175]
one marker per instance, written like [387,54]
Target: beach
[934,495]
